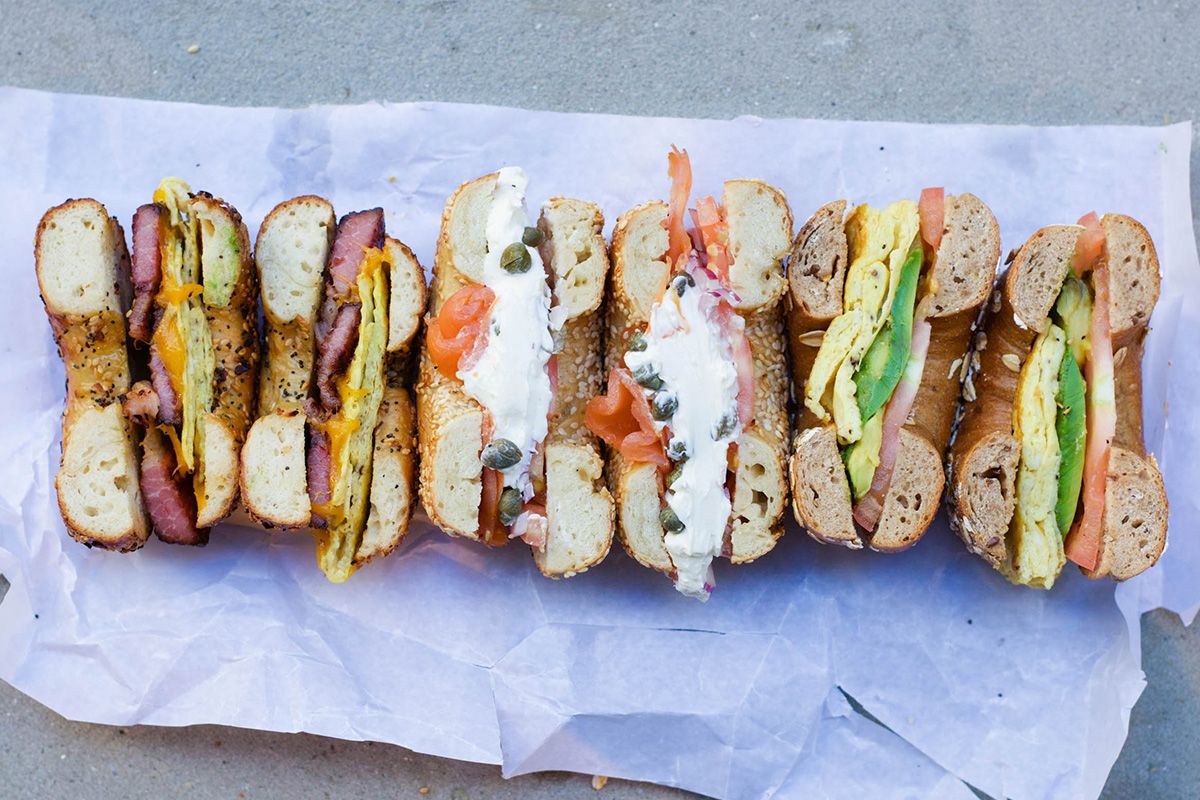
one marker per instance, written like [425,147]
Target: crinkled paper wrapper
[451,649]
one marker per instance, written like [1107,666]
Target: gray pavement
[1035,63]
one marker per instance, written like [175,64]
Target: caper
[647,376]
[500,454]
[636,342]
[510,506]
[674,474]
[664,406]
[533,236]
[681,282]
[726,424]
[670,520]
[515,259]
[677,450]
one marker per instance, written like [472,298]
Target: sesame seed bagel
[292,254]
[760,225]
[952,290]
[579,508]
[234,330]
[82,271]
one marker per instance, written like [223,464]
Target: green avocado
[1071,425]
[220,254]
[883,363]
[1073,312]
[862,457]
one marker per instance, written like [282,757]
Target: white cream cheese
[687,349]
[510,379]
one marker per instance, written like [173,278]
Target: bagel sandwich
[333,447]
[511,354]
[83,276]
[881,305]
[193,316]
[694,413]
[1045,467]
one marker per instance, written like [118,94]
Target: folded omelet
[351,431]
[182,339]
[879,244]
[1037,541]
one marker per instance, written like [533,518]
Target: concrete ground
[1028,62]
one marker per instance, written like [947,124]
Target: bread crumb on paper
[193,48]
[599,782]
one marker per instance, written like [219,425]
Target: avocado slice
[1071,426]
[1073,312]
[883,363]
[220,253]
[862,457]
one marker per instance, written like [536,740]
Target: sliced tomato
[456,330]
[714,235]
[932,210]
[1083,544]
[679,245]
[491,531]
[1089,245]
[734,331]
[621,417]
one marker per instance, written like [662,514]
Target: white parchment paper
[450,649]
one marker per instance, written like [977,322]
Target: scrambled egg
[1036,544]
[351,431]
[182,338]
[879,243]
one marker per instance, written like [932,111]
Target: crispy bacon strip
[335,353]
[169,410]
[146,269]
[169,498]
[318,466]
[355,234]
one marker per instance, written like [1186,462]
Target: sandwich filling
[1065,425]
[686,390]
[341,449]
[688,357]
[498,339]
[870,361]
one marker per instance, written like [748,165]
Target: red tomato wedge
[491,531]
[621,417]
[679,244]
[1083,544]
[456,330]
[869,508]
[714,234]
[1089,245]
[734,332]
[932,210]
